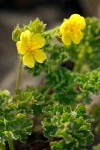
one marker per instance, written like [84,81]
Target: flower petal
[37,41]
[66,38]
[39,56]
[21,47]
[28,60]
[76,38]
[25,37]
[78,20]
[64,26]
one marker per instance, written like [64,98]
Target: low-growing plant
[68,58]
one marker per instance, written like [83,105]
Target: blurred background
[51,12]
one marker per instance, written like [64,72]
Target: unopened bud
[16,34]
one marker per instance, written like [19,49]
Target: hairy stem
[79,60]
[19,73]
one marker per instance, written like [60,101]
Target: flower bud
[16,34]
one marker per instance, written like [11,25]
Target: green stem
[2,146]
[11,144]
[79,60]
[19,73]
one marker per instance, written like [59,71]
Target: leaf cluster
[62,83]
[13,124]
[71,88]
[31,100]
[67,129]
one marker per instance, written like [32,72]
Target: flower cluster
[30,43]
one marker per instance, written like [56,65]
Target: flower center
[72,27]
[30,48]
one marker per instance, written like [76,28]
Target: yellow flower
[29,47]
[70,29]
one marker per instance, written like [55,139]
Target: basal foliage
[14,125]
[67,129]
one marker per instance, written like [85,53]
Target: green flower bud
[37,26]
[16,34]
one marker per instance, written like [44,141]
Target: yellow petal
[76,38]
[78,20]
[28,60]
[64,26]
[21,47]
[37,41]
[39,56]
[25,37]
[66,38]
